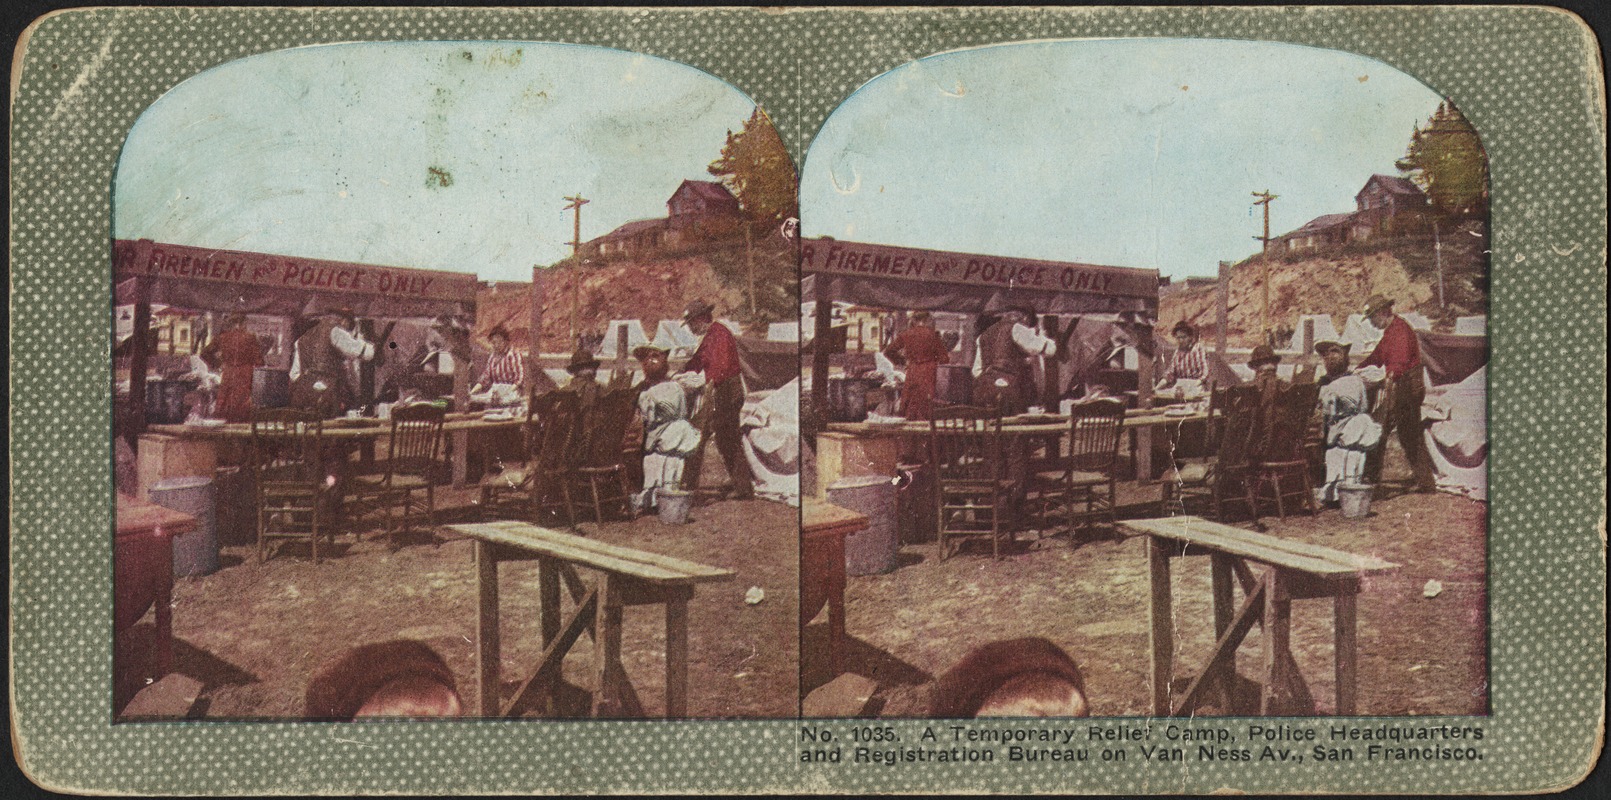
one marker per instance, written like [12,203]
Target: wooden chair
[1284,452]
[600,458]
[1089,473]
[412,465]
[540,484]
[972,490]
[1227,475]
[287,466]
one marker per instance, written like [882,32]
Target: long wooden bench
[1294,571]
[625,577]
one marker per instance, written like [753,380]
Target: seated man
[1029,677]
[400,678]
[668,436]
[1347,428]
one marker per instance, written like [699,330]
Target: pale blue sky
[325,152]
[1135,153]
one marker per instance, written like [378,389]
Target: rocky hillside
[650,289]
[1338,282]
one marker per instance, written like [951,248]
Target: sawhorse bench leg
[1163,642]
[1277,639]
[676,658]
[1345,653]
[607,649]
[1224,611]
[487,645]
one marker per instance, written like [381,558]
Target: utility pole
[1264,311]
[576,203]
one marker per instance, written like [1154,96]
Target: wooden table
[364,429]
[625,577]
[823,528]
[143,569]
[853,449]
[1295,571]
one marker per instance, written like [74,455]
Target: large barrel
[271,388]
[847,398]
[196,552]
[953,385]
[873,550]
[919,519]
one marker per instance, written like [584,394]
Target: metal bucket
[196,552]
[673,505]
[873,550]
[1355,498]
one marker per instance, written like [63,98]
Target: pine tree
[757,169]
[1447,161]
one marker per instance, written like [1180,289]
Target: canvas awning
[915,279]
[212,279]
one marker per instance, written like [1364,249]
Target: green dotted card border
[1529,78]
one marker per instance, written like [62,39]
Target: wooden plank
[817,515]
[1259,547]
[591,553]
[1346,654]
[676,659]
[170,698]
[845,696]
[1162,636]
[486,629]
[541,682]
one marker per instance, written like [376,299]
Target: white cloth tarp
[673,335]
[635,337]
[1471,326]
[1456,417]
[771,427]
[783,332]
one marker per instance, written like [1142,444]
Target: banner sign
[830,256]
[144,257]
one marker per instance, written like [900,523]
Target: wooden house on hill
[1385,207]
[696,210]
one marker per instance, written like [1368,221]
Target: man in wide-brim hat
[1002,374]
[584,369]
[1346,426]
[716,360]
[668,435]
[1398,404]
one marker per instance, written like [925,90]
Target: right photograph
[1144,378]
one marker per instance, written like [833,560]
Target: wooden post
[1051,374]
[486,628]
[819,354]
[676,657]
[539,285]
[1163,643]
[139,357]
[622,365]
[1346,656]
[1222,310]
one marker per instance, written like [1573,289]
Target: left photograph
[455,379]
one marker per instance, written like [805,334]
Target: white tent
[635,336]
[672,334]
[783,332]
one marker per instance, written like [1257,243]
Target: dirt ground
[252,633]
[1417,655]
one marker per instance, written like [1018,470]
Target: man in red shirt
[1398,403]
[717,358]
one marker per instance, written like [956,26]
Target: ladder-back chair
[287,466]
[972,490]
